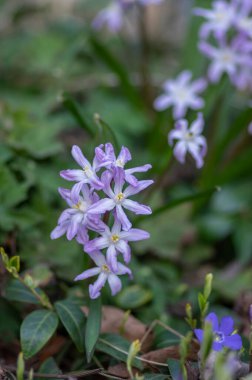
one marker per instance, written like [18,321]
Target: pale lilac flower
[118,198]
[111,16]
[189,140]
[107,158]
[219,19]
[75,220]
[181,93]
[86,175]
[223,333]
[225,58]
[116,241]
[105,273]
[243,18]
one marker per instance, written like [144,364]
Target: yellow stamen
[115,238]
[105,268]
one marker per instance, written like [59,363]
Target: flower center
[119,163]
[87,171]
[82,206]
[189,136]
[227,57]
[105,268]
[181,93]
[219,336]
[119,197]
[219,16]
[246,23]
[115,238]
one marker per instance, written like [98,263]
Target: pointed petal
[122,217]
[87,273]
[96,244]
[124,248]
[141,185]
[59,231]
[98,258]
[111,257]
[114,283]
[79,157]
[102,206]
[136,207]
[162,102]
[134,234]
[94,290]
[73,175]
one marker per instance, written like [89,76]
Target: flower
[243,19]
[86,175]
[181,93]
[223,333]
[227,58]
[118,199]
[116,240]
[111,16]
[75,220]
[105,273]
[219,19]
[106,158]
[189,140]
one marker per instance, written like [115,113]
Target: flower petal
[233,342]
[199,334]
[124,248]
[102,206]
[141,185]
[134,234]
[96,244]
[122,217]
[227,325]
[114,283]
[111,257]
[179,151]
[94,290]
[79,157]
[87,273]
[162,102]
[212,318]
[136,207]
[73,175]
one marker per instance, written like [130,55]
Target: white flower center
[246,24]
[227,57]
[181,94]
[88,172]
[115,238]
[81,206]
[119,163]
[105,268]
[219,337]
[189,136]
[119,198]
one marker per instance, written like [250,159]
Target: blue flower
[223,335]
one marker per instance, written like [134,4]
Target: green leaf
[16,291]
[117,347]
[73,320]
[133,297]
[116,66]
[72,107]
[106,133]
[15,263]
[49,366]
[37,328]
[93,326]
[174,368]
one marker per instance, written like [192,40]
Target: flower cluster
[223,333]
[230,24]
[92,201]
[113,15]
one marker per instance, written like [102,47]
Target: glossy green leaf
[16,291]
[49,366]
[73,320]
[93,326]
[36,330]
[133,297]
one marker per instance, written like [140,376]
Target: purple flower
[116,241]
[105,273]
[106,158]
[219,19]
[181,93]
[226,58]
[189,140]
[111,16]
[243,19]
[118,198]
[223,333]
[75,220]
[86,175]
